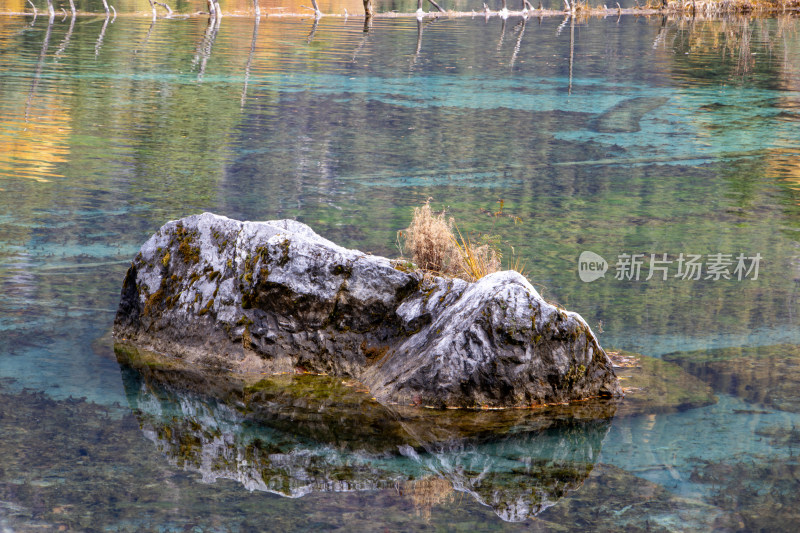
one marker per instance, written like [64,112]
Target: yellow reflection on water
[784,163]
[14,6]
[33,144]
[292,6]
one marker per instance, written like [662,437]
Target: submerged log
[276,297]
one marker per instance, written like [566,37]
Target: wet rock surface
[276,297]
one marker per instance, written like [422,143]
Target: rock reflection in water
[296,434]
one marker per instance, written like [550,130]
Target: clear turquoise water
[656,137]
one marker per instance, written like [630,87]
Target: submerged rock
[652,386]
[625,117]
[762,375]
[276,297]
[612,499]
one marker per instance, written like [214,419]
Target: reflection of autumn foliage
[14,6]
[34,134]
[238,7]
[730,39]
[427,493]
[32,146]
[783,162]
[292,6]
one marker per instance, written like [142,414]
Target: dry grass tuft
[428,239]
[437,245]
[472,260]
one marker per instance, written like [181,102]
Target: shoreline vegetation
[685,8]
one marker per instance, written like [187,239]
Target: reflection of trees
[730,41]
[100,37]
[37,136]
[252,52]
[204,47]
[335,155]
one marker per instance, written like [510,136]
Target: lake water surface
[616,136]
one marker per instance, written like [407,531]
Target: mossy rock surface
[652,385]
[765,375]
[760,494]
[612,499]
[253,297]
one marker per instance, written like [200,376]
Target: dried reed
[435,247]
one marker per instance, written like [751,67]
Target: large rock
[276,297]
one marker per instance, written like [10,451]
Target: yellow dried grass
[435,247]
[427,238]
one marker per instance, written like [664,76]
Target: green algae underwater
[643,135]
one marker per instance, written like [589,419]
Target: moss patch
[184,239]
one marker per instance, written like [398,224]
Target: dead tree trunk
[518,44]
[35,13]
[313,31]
[214,10]
[143,44]
[502,34]
[204,48]
[419,39]
[432,2]
[571,50]
[369,11]
[165,6]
